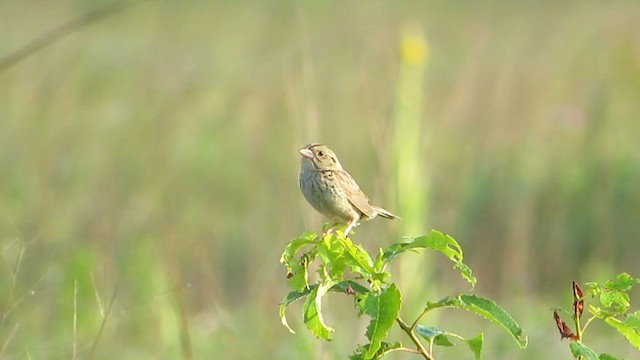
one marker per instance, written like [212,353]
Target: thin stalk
[421,349]
[576,321]
[415,323]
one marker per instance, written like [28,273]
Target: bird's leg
[328,230]
[352,224]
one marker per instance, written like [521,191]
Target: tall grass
[152,156]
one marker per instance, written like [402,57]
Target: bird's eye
[321,153]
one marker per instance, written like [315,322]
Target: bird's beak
[306,153]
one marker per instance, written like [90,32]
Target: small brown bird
[332,191]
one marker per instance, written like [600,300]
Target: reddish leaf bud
[565,331]
[578,302]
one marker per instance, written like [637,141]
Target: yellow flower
[414,49]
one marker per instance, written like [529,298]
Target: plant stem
[421,349]
[587,323]
[415,323]
[576,321]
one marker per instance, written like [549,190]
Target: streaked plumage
[332,191]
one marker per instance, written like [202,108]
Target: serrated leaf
[622,282]
[333,257]
[614,299]
[295,245]
[493,312]
[486,308]
[383,309]
[475,345]
[358,258]
[580,349]
[384,349]
[297,266]
[631,333]
[438,241]
[312,311]
[613,293]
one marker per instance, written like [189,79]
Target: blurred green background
[148,167]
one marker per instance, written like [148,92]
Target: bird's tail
[386,214]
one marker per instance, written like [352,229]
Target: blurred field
[148,167]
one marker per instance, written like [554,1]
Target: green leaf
[601,313]
[486,308]
[435,241]
[295,245]
[298,274]
[428,332]
[441,338]
[347,287]
[613,293]
[384,349]
[579,349]
[312,311]
[431,332]
[383,309]
[493,312]
[631,332]
[297,266]
[475,345]
[622,282]
[291,297]
[618,301]
[633,320]
[333,257]
[608,357]
[360,260]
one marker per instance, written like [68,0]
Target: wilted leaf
[565,330]
[578,302]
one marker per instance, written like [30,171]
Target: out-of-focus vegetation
[148,165]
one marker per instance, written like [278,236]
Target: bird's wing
[356,197]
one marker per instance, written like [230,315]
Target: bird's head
[319,157]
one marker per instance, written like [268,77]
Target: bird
[332,191]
